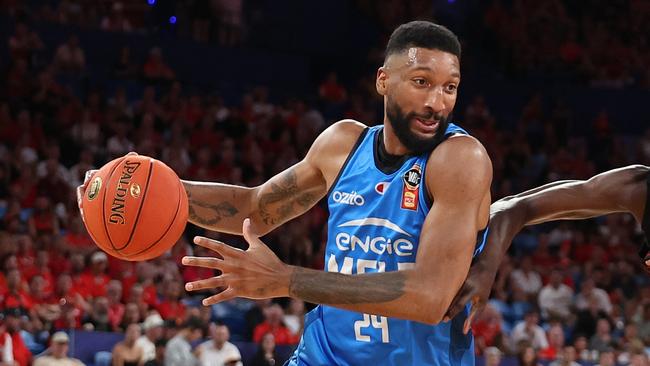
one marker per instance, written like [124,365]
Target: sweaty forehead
[416,57]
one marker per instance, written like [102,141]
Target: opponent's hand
[255,273]
[476,289]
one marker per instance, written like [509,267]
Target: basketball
[135,208]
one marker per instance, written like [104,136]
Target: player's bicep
[461,195]
[287,195]
[447,242]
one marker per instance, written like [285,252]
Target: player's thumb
[468,322]
[249,235]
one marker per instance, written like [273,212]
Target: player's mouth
[427,126]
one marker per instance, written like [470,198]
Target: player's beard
[401,124]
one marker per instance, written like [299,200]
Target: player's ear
[380,83]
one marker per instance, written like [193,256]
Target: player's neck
[392,144]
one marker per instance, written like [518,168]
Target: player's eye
[451,88]
[420,81]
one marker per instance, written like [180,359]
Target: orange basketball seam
[178,208]
[108,178]
[137,217]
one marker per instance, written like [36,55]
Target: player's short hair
[423,34]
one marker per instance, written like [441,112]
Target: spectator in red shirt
[273,324]
[136,297]
[53,186]
[155,68]
[22,355]
[115,307]
[331,91]
[41,268]
[487,329]
[10,264]
[555,336]
[170,308]
[144,276]
[26,256]
[15,297]
[39,300]
[65,296]
[95,280]
[77,238]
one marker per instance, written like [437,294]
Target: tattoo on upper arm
[285,193]
[217,211]
[335,288]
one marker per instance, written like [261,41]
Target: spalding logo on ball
[135,208]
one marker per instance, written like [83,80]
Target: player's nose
[435,100]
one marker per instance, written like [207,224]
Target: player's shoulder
[461,150]
[459,160]
[346,128]
[340,136]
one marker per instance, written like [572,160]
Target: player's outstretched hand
[476,289]
[82,188]
[255,273]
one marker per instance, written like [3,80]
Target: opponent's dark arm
[612,191]
[618,190]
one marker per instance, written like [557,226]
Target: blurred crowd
[569,292]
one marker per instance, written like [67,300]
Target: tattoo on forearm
[335,288]
[216,212]
[285,193]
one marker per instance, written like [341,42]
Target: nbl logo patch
[410,187]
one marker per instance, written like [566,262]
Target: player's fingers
[217,246]
[80,195]
[206,262]
[227,294]
[132,153]
[208,283]
[87,176]
[468,322]
[477,308]
[647,263]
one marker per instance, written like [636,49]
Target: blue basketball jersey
[374,226]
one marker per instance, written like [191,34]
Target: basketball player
[620,190]
[409,205]
[409,198]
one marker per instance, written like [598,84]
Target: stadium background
[236,90]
